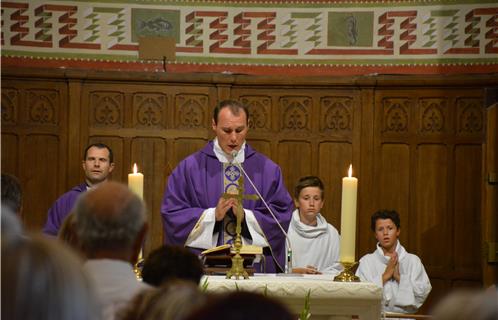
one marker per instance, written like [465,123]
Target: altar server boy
[401,274]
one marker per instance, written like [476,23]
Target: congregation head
[167,263]
[384,215]
[110,217]
[175,300]
[11,193]
[242,305]
[42,279]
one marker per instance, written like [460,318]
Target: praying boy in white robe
[314,242]
[401,274]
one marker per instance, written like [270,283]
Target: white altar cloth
[328,299]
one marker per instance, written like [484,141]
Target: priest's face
[309,203]
[231,130]
[386,233]
[97,165]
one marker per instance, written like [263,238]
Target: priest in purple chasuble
[193,210]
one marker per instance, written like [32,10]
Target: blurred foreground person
[42,279]
[110,226]
[242,305]
[468,304]
[172,301]
[171,262]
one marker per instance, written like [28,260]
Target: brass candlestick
[347,275]
[237,270]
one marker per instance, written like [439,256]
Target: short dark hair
[242,305]
[308,181]
[234,107]
[385,214]
[99,145]
[11,192]
[171,262]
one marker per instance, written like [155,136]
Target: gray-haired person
[110,226]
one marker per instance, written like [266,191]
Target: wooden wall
[415,143]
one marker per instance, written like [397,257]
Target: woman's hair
[308,181]
[43,279]
[173,301]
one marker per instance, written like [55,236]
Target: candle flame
[350,171]
[135,169]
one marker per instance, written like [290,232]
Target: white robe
[414,285]
[317,246]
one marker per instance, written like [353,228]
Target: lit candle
[348,217]
[136,182]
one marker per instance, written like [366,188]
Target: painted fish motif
[158,24]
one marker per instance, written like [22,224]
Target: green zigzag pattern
[316,28]
[291,34]
[45,26]
[196,32]
[94,25]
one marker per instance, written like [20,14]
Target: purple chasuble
[196,184]
[61,208]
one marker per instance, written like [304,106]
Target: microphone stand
[288,265]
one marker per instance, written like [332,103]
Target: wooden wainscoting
[415,143]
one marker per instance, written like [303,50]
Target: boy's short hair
[308,181]
[385,214]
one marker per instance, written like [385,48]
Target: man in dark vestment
[196,215]
[97,164]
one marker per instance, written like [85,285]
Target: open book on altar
[229,249]
[220,257]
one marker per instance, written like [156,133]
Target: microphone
[288,266]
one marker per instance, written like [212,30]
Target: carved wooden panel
[393,175]
[336,115]
[334,159]
[192,111]
[10,149]
[396,115]
[430,222]
[10,106]
[183,147]
[467,208]
[294,157]
[433,116]
[259,112]
[262,146]
[43,107]
[41,183]
[470,116]
[149,110]
[295,114]
[106,109]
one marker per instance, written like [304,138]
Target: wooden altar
[328,299]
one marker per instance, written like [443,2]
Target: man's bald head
[109,217]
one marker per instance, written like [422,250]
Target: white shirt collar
[225,158]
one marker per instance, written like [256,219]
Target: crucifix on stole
[237,268]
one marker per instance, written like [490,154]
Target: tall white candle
[348,217]
[136,182]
